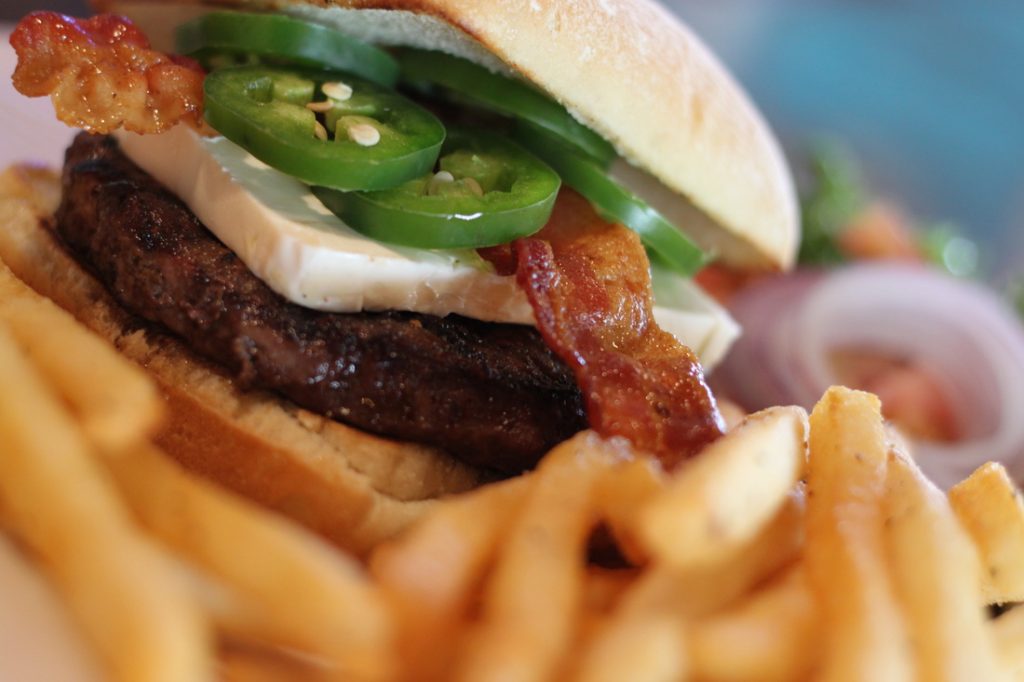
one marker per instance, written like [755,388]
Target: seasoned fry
[302,593]
[433,571]
[532,600]
[140,618]
[936,574]
[721,499]
[865,636]
[772,636]
[991,508]
[118,406]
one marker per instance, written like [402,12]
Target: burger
[395,249]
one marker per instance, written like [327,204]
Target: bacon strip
[590,288]
[102,74]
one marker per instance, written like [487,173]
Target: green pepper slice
[665,241]
[475,85]
[487,191]
[380,139]
[280,39]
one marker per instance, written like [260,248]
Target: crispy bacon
[102,74]
[590,288]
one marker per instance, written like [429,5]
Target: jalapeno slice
[667,244]
[486,191]
[280,39]
[475,85]
[367,137]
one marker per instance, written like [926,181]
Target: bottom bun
[354,488]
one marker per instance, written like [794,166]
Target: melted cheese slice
[306,254]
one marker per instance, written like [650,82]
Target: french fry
[991,508]
[650,614]
[769,637]
[38,637]
[245,662]
[721,499]
[1008,633]
[866,638]
[532,600]
[935,570]
[114,400]
[433,571]
[30,188]
[643,647]
[603,587]
[139,616]
[621,494]
[300,592]
[703,591]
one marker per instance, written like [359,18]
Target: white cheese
[305,253]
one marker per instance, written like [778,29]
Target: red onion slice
[960,330]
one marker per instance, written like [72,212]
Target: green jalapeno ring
[487,191]
[470,83]
[274,37]
[669,246]
[262,109]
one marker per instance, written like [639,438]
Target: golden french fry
[935,570]
[991,508]
[771,636]
[432,572]
[642,647]
[300,592]
[865,635]
[723,497]
[621,494]
[703,591]
[38,637]
[30,188]
[1008,633]
[649,615]
[531,603]
[604,586]
[59,502]
[244,662]
[113,399]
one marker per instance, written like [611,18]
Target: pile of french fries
[794,548]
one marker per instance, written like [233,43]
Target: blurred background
[926,94]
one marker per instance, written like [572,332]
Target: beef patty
[490,394]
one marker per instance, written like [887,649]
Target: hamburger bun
[710,162]
[628,69]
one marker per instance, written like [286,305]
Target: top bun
[629,70]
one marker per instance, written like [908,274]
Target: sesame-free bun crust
[628,69]
[352,487]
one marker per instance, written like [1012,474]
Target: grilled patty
[493,395]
